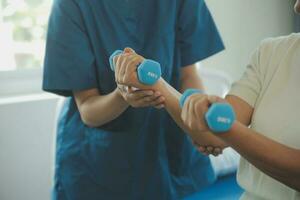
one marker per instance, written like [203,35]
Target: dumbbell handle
[219,117]
[149,71]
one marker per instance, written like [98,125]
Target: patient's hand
[193,116]
[126,69]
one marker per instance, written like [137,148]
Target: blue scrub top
[142,154]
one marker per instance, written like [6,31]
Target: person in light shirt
[266,98]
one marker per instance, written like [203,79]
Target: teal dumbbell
[148,71]
[219,117]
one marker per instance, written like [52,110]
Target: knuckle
[190,124]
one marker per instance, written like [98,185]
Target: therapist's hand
[141,98]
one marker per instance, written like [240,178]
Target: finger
[141,94]
[153,100]
[133,89]
[129,50]
[202,149]
[135,62]
[190,114]
[217,151]
[126,59]
[158,101]
[148,101]
[200,108]
[185,111]
[141,103]
[161,106]
[121,63]
[157,94]
[215,99]
[130,89]
[132,65]
[121,69]
[210,149]
[205,152]
[116,62]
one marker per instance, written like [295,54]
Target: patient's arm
[172,97]
[125,73]
[276,160]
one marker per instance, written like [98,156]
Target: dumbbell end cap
[111,59]
[149,72]
[220,117]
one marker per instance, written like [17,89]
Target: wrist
[159,85]
[118,95]
[235,128]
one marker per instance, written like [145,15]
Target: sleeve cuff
[247,95]
[193,56]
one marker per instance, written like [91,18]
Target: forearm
[172,97]
[100,109]
[189,79]
[172,106]
[276,160]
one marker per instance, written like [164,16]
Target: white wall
[243,24]
[26,147]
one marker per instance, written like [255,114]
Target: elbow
[87,118]
[88,121]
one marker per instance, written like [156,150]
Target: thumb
[215,99]
[128,50]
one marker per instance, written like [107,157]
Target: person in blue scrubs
[111,143]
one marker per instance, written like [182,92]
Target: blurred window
[23,26]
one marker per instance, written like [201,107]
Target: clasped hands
[139,95]
[134,93]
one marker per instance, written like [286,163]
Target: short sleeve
[69,61]
[198,35]
[249,86]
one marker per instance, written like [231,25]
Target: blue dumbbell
[219,117]
[148,71]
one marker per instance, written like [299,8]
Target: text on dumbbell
[224,120]
[153,75]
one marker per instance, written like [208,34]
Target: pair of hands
[193,116]
[193,111]
[125,72]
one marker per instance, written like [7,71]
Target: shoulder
[273,50]
[278,44]
[69,11]
[71,4]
